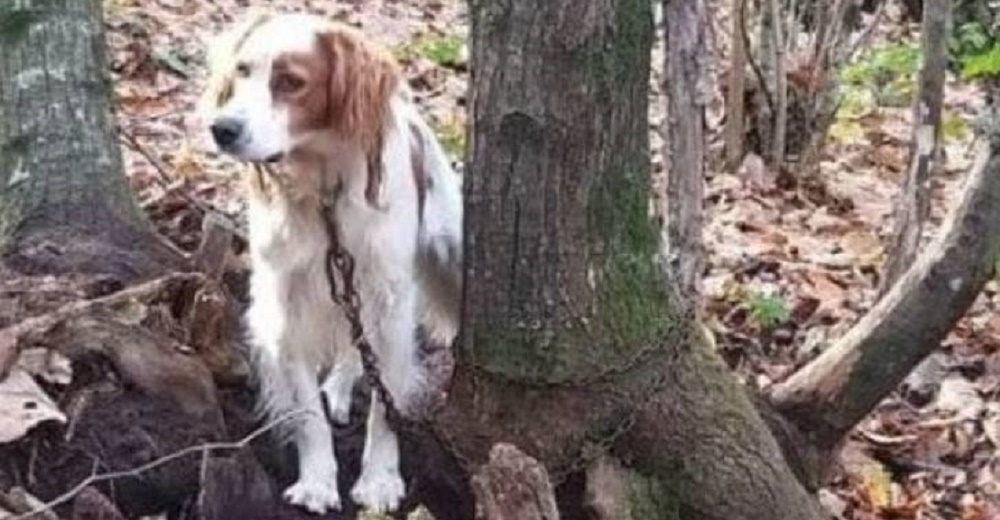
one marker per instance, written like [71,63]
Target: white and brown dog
[330,109]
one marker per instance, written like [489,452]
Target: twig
[134,472]
[761,79]
[163,177]
[862,42]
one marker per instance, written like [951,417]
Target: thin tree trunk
[780,85]
[830,395]
[60,166]
[684,83]
[736,89]
[570,326]
[766,106]
[914,205]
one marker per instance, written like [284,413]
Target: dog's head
[282,83]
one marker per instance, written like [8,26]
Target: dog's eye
[287,83]
[243,69]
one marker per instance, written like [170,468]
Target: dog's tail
[439,261]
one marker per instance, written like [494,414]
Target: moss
[445,50]
[651,499]
[15,22]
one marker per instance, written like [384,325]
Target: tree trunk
[572,334]
[913,205]
[736,88]
[70,235]
[780,84]
[65,199]
[684,84]
[701,434]
[561,292]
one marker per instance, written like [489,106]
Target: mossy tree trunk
[562,293]
[574,343]
[61,180]
[70,234]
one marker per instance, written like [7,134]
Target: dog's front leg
[380,486]
[316,488]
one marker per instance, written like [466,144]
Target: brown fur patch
[307,107]
[361,83]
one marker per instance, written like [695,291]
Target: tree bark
[780,85]
[573,341]
[913,205]
[701,433]
[64,198]
[736,89]
[831,394]
[684,85]
[561,292]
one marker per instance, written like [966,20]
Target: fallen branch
[15,338]
[832,393]
[203,449]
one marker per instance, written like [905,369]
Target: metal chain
[345,294]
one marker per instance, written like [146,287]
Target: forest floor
[789,266]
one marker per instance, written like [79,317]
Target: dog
[329,114]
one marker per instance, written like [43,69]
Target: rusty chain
[345,294]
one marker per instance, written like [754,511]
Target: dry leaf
[958,396]
[863,246]
[23,404]
[185,163]
[876,487]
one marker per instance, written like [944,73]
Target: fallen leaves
[24,405]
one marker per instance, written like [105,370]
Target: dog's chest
[289,284]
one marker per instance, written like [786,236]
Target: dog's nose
[226,131]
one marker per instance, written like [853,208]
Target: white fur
[296,331]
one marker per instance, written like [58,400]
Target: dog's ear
[221,60]
[362,81]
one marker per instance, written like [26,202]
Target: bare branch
[203,449]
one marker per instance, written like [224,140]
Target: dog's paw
[379,491]
[316,495]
